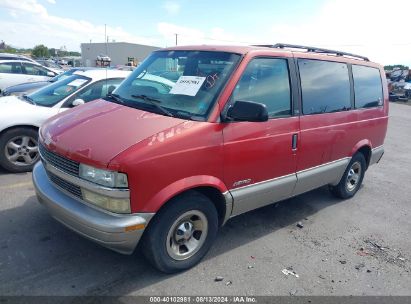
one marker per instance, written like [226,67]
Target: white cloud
[38,26]
[188,35]
[171,7]
[369,28]
[13,13]
[51,1]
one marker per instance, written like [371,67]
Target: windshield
[52,94]
[63,75]
[182,83]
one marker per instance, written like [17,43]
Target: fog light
[117,205]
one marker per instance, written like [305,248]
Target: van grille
[69,187]
[59,162]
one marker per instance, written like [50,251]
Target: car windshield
[52,94]
[63,75]
[183,84]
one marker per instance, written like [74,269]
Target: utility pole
[105,38]
[176,38]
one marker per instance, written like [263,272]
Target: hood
[96,132]
[12,104]
[17,112]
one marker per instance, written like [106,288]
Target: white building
[120,53]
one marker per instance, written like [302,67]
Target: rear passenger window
[325,86]
[367,86]
[266,81]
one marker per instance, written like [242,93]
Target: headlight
[106,178]
[117,205]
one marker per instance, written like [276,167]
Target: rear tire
[352,178]
[181,233]
[19,149]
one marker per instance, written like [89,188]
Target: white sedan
[21,116]
[14,72]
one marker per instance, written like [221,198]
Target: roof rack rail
[312,49]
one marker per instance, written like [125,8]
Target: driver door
[259,157]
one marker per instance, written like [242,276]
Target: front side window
[32,69]
[325,86]
[96,90]
[52,94]
[183,84]
[367,86]
[11,67]
[266,81]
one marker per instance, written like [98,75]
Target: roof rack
[312,49]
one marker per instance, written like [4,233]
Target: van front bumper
[118,232]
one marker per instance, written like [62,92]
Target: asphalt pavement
[360,246]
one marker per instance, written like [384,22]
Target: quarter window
[367,86]
[325,86]
[266,81]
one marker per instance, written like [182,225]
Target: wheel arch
[215,190]
[36,128]
[364,147]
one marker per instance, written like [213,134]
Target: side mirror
[247,111]
[51,74]
[78,102]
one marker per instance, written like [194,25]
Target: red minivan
[199,134]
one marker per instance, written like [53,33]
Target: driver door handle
[294,141]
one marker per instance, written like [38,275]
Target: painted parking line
[17,185]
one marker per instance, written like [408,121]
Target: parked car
[51,65]
[21,116]
[14,72]
[28,87]
[241,128]
[8,56]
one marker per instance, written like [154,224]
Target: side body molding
[263,193]
[267,192]
[376,155]
[329,173]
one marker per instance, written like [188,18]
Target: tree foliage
[391,67]
[40,51]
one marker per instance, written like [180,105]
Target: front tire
[352,178]
[181,233]
[19,149]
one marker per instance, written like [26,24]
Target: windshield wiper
[116,97]
[187,115]
[29,99]
[154,102]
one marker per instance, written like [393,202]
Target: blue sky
[356,26]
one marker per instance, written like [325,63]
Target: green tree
[391,67]
[40,51]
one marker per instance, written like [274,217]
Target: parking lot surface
[360,246]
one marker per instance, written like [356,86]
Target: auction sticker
[187,85]
[77,82]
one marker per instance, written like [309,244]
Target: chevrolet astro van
[199,134]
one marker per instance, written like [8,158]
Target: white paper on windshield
[77,82]
[187,85]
